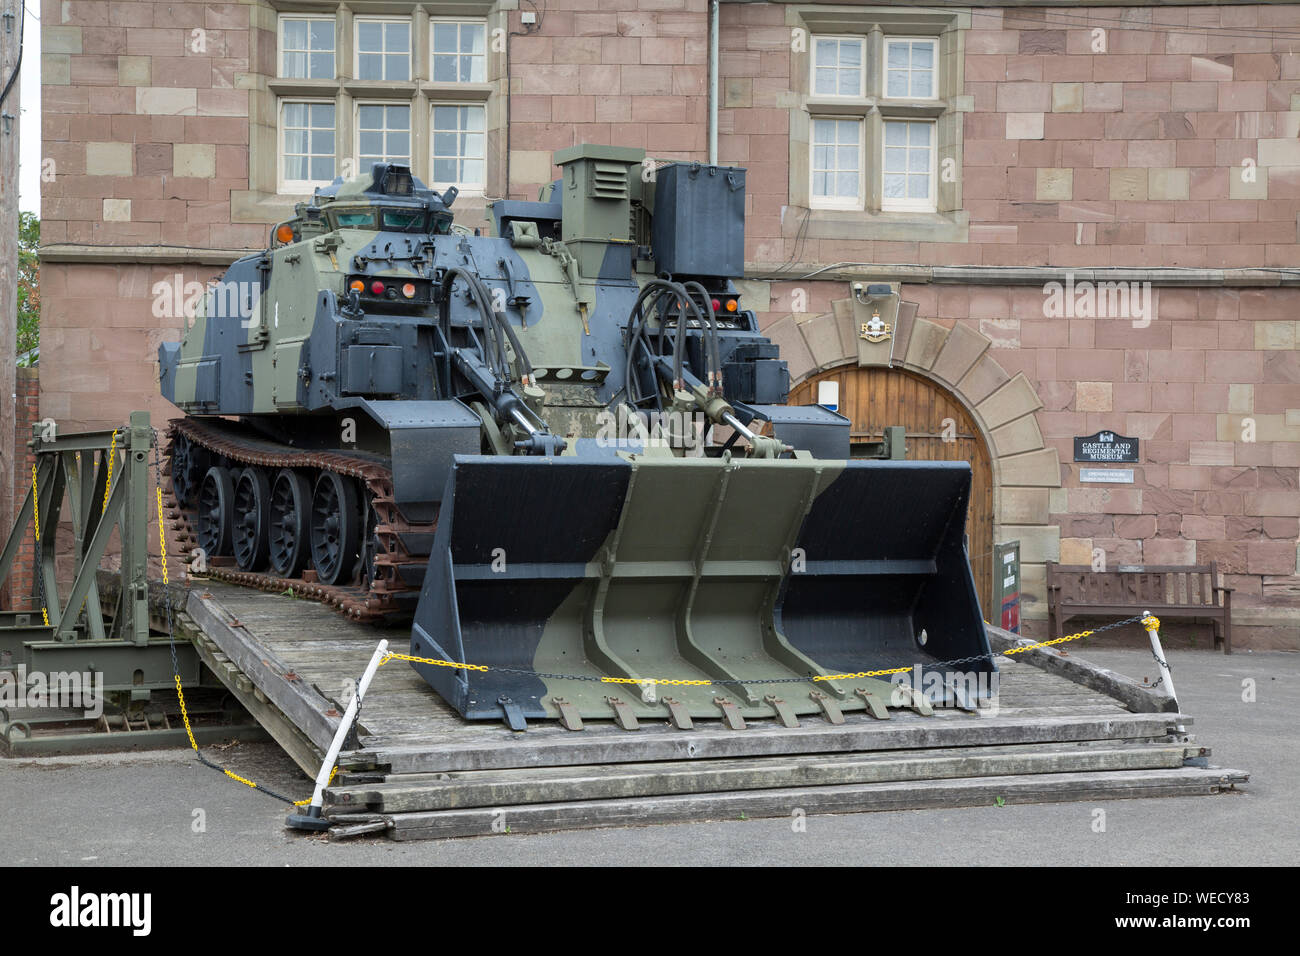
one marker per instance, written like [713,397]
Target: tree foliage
[29,284]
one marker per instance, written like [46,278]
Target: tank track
[389,597]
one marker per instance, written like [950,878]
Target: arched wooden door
[938,429]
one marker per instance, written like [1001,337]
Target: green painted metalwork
[98,481]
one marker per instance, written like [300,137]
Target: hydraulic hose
[713,361]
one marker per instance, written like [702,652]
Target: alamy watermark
[75,909]
[175,298]
[948,688]
[73,690]
[1122,299]
[671,428]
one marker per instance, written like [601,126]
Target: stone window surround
[263,201]
[950,222]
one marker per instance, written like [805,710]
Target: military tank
[559,451]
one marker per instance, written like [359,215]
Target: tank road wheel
[216,512]
[252,526]
[335,528]
[290,508]
[189,463]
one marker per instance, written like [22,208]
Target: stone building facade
[970,156]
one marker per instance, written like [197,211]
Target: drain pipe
[713,82]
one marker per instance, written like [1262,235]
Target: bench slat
[1164,590]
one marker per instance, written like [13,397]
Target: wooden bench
[1164,590]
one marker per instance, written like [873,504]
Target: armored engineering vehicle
[560,451]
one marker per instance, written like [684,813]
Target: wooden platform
[1062,730]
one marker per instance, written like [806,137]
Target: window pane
[918,161]
[821,185]
[295,140]
[847,157]
[471,38]
[295,167]
[846,184]
[398,36]
[295,65]
[322,35]
[322,141]
[824,82]
[444,37]
[444,69]
[397,65]
[897,85]
[444,144]
[444,170]
[922,56]
[918,187]
[399,144]
[850,53]
[850,82]
[824,52]
[371,143]
[895,134]
[894,186]
[897,58]
[473,171]
[370,37]
[370,117]
[919,134]
[322,66]
[295,114]
[895,160]
[322,167]
[322,114]
[295,34]
[923,84]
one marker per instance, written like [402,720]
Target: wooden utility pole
[11,37]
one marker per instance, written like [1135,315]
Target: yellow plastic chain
[36,524]
[112,456]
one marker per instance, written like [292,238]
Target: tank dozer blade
[635,587]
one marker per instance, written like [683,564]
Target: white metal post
[326,768]
[1152,624]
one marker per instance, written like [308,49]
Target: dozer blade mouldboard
[639,586]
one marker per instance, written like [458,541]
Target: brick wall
[148,135]
[99,339]
[620,72]
[1131,157]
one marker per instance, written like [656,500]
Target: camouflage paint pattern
[746,577]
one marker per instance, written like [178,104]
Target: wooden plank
[292,741]
[496,788]
[303,705]
[858,733]
[1124,689]
[849,798]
